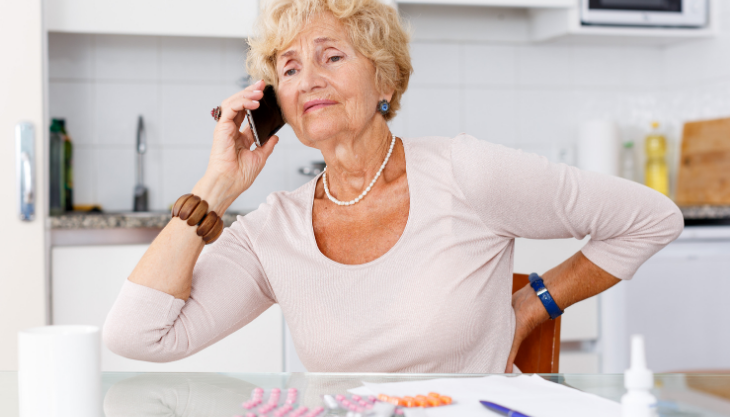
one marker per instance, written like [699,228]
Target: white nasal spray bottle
[638,380]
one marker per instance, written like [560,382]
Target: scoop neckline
[388,253]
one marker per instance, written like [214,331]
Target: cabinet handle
[25,170]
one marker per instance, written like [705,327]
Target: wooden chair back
[540,351]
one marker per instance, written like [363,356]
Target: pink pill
[258,389]
[292,389]
[250,415]
[399,412]
[356,397]
[339,397]
[276,390]
[362,403]
[372,399]
[316,411]
[352,407]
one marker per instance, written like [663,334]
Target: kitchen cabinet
[86,282]
[678,301]
[213,18]
[23,300]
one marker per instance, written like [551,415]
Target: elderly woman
[397,258]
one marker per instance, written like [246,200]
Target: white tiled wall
[531,96]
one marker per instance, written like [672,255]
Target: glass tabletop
[221,394]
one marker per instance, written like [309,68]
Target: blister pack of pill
[360,406]
[271,403]
[383,405]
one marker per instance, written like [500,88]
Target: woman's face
[326,87]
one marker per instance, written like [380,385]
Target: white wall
[531,96]
[528,96]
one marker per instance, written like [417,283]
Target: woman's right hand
[232,166]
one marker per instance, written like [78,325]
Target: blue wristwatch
[542,293]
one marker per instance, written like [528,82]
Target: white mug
[59,371]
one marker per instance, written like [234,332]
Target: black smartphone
[267,119]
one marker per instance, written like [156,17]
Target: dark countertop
[130,220]
[706,215]
[696,215]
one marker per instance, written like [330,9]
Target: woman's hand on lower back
[232,166]
[528,315]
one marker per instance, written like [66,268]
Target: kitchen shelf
[533,21]
[564,25]
[211,18]
[497,3]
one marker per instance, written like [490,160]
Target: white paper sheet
[530,395]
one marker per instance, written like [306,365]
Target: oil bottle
[656,174]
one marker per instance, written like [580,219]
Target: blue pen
[502,410]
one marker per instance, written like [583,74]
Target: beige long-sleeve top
[437,301]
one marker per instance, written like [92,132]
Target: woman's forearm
[168,263]
[570,282]
[573,280]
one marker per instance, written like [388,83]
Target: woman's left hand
[527,318]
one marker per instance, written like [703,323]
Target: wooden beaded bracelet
[194,210]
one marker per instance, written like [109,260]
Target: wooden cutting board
[704,165]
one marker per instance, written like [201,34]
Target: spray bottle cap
[638,376]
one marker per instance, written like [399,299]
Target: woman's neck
[353,161]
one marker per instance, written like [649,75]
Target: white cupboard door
[678,301]
[23,297]
[217,18]
[86,282]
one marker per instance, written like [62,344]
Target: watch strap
[543,294]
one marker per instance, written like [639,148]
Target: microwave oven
[670,13]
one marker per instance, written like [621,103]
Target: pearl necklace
[367,190]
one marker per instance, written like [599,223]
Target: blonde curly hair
[375,30]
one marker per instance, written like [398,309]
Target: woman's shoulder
[446,144]
[281,208]
[462,149]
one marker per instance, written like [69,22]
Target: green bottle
[56,171]
[68,177]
